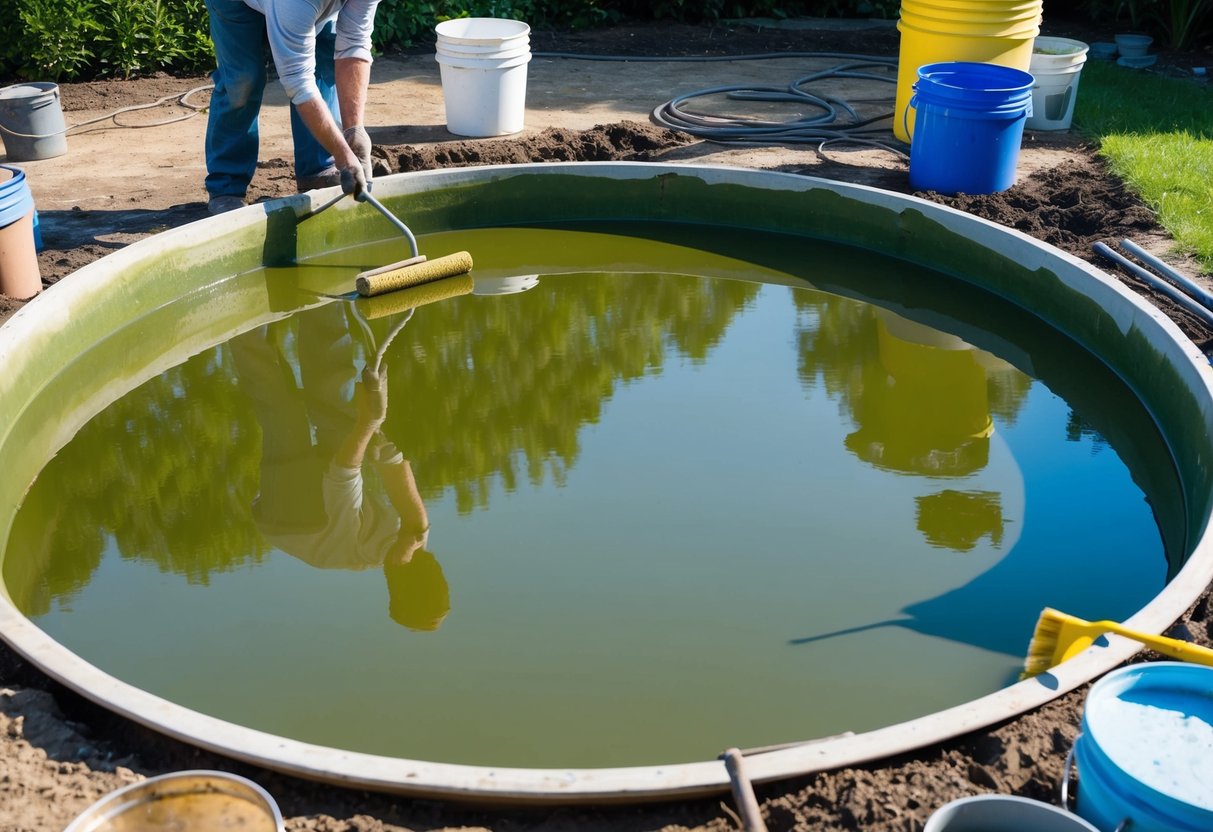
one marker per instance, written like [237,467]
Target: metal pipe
[1186,284]
[1156,283]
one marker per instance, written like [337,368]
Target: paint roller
[412,272]
[417,270]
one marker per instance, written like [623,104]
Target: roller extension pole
[392,218]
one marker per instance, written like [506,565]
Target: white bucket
[1056,64]
[483,61]
[484,96]
[1003,813]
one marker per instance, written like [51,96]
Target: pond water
[629,495]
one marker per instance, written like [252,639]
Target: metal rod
[743,792]
[1186,284]
[1156,283]
[393,219]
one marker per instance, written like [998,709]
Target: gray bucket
[31,122]
[1004,813]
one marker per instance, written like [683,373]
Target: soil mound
[626,141]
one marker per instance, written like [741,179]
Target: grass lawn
[1157,134]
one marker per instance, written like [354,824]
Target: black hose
[834,120]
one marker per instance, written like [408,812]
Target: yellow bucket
[921,45]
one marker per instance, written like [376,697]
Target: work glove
[353,181]
[370,398]
[360,143]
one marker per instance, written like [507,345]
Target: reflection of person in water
[320,438]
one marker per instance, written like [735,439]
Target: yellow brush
[1060,636]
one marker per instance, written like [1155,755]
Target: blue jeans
[238,33]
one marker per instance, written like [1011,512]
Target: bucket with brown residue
[20,277]
[184,801]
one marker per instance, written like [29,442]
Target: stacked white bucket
[483,61]
[1056,66]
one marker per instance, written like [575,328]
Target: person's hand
[371,398]
[353,181]
[360,144]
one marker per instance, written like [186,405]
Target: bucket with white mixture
[1145,754]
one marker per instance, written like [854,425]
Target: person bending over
[322,53]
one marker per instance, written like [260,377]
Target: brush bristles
[1042,651]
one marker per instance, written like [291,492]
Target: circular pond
[650,483]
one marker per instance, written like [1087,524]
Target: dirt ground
[59,752]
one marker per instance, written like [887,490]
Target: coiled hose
[834,120]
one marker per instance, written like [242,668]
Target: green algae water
[627,495]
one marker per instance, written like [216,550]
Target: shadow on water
[988,611]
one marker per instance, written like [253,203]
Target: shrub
[64,40]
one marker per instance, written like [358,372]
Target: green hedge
[66,40]
[56,40]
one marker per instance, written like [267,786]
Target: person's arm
[291,27]
[402,491]
[370,403]
[353,78]
[320,122]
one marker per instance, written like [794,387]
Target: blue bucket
[968,124]
[1145,753]
[16,200]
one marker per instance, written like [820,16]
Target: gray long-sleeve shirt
[291,26]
